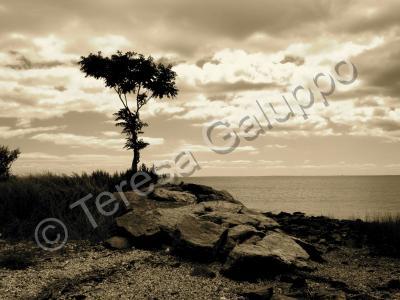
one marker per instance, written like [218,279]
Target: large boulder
[211,206]
[199,238]
[274,253]
[141,227]
[179,227]
[264,222]
[231,214]
[164,194]
[239,234]
[205,193]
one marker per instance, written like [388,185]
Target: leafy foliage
[131,127]
[132,73]
[7,157]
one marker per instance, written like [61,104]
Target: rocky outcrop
[199,222]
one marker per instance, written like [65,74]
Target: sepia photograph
[216,150]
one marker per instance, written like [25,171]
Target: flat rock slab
[139,224]
[274,253]
[205,193]
[200,238]
[163,194]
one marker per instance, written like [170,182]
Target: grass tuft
[382,233]
[26,200]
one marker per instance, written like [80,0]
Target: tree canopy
[133,74]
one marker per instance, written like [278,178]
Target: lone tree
[132,74]
[7,157]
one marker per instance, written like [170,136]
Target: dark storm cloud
[384,124]
[60,88]
[236,19]
[239,86]
[189,27]
[23,63]
[297,60]
[177,25]
[380,69]
[168,61]
[222,90]
[371,17]
[201,62]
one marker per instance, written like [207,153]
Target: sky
[236,62]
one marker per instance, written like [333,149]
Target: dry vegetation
[25,201]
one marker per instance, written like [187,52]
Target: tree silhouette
[133,74]
[7,157]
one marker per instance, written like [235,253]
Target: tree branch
[120,98]
[148,99]
[126,100]
[137,99]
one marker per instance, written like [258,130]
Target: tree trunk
[136,150]
[135,160]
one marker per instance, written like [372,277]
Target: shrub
[26,200]
[7,157]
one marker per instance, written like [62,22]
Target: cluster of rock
[202,223]
[324,232]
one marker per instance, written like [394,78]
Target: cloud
[8,132]
[109,44]
[153,141]
[39,156]
[270,162]
[74,140]
[23,63]
[238,86]
[380,68]
[298,61]
[111,133]
[278,146]
[203,148]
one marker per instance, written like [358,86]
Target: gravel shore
[82,271]
[88,270]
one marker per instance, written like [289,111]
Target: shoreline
[88,270]
[342,262]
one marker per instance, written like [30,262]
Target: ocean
[333,196]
